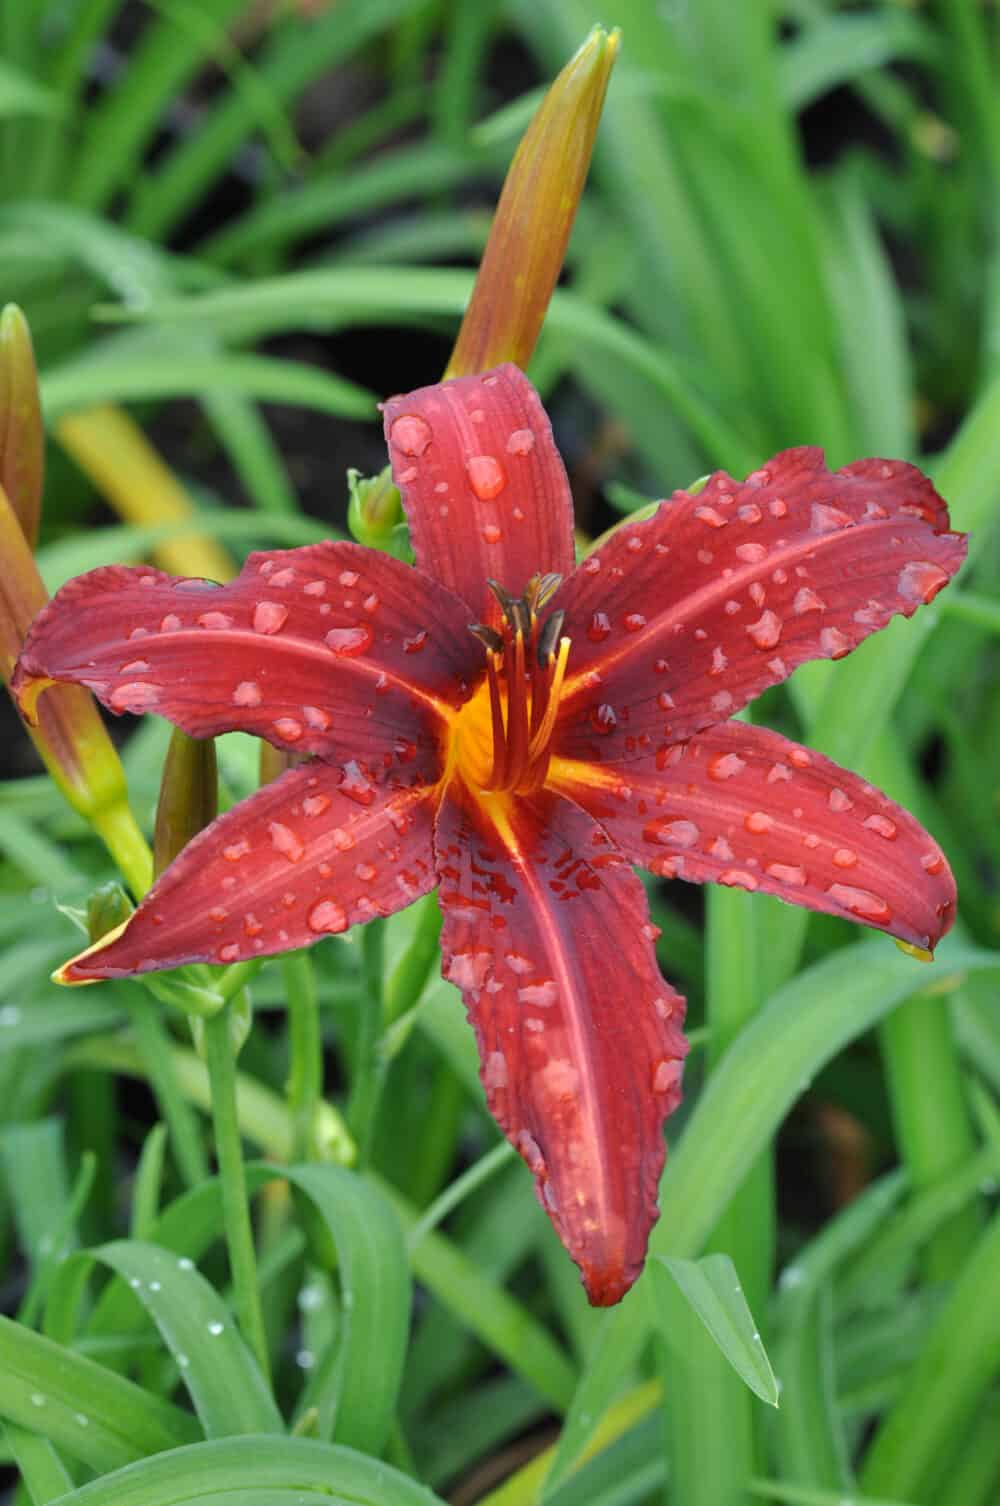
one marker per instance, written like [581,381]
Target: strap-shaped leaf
[712,1288]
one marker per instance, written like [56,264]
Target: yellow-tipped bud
[22,434]
[189,796]
[527,241]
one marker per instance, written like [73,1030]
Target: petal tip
[74,973]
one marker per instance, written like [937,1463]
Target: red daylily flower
[524,770]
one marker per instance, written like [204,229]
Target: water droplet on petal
[634,621]
[806,600]
[521,442]
[542,994]
[787,873]
[834,643]
[665,701]
[710,516]
[666,1076]
[725,766]
[801,758]
[486,476]
[285,841]
[215,621]
[825,519]
[410,434]
[766,631]
[921,581]
[932,862]
[738,878]
[315,805]
[228,953]
[845,857]
[316,718]
[171,623]
[327,917]
[247,693]
[492,534]
[269,616]
[751,554]
[416,643]
[860,902]
[599,627]
[758,822]
[671,832]
[348,641]
[603,719]
[839,800]
[494,1072]
[288,729]
[882,825]
[366,872]
[135,696]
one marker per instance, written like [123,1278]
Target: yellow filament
[541,738]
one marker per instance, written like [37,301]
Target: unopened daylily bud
[375,513]
[64,724]
[189,796]
[108,908]
[531,228]
[22,434]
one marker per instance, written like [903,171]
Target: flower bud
[22,434]
[189,796]
[375,513]
[531,228]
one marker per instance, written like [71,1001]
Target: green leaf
[84,1409]
[265,1471]
[221,1376]
[713,1290]
[356,1385]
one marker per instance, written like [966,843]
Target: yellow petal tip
[921,953]
[62,974]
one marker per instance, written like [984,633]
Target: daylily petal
[679,621]
[306,856]
[483,485]
[738,804]
[331,649]
[547,934]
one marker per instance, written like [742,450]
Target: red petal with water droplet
[331,649]
[720,595]
[741,805]
[299,860]
[485,491]
[546,932]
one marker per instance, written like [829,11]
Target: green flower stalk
[531,228]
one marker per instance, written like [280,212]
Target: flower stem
[117,828]
[369,1065]
[305,1075]
[154,1045]
[406,981]
[221,1063]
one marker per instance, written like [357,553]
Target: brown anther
[540,590]
[548,638]
[491,640]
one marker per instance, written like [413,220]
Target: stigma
[504,741]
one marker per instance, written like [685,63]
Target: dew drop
[725,766]
[758,822]
[542,994]
[599,627]
[921,581]
[800,758]
[720,661]
[215,621]
[666,1076]
[316,718]
[288,728]
[521,442]
[751,554]
[236,850]
[720,849]
[738,878]
[410,434]
[721,702]
[787,873]
[486,476]
[135,696]
[285,841]
[171,623]
[932,862]
[710,516]
[839,800]
[806,600]
[665,701]
[860,902]
[634,622]
[603,718]
[315,805]
[371,602]
[667,832]
[845,857]
[247,693]
[269,617]
[215,1328]
[348,579]
[228,953]
[416,643]
[766,631]
[495,1071]
[882,825]
[314,587]
[327,917]
[491,533]
[346,642]
[826,519]
[833,643]
[366,872]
